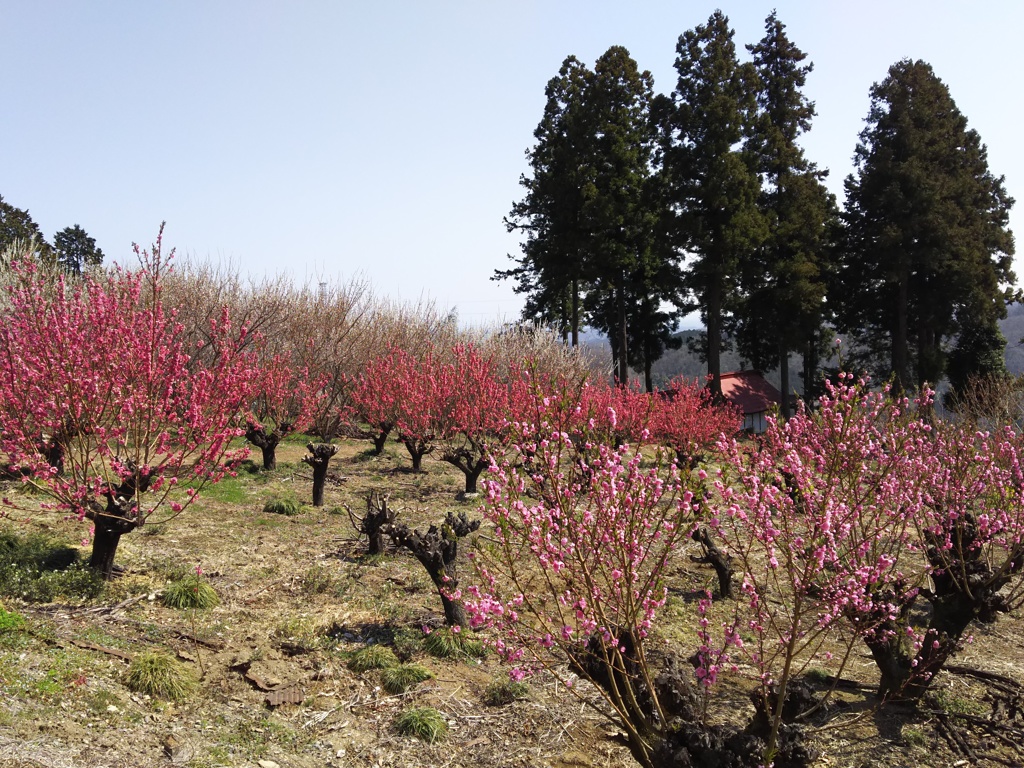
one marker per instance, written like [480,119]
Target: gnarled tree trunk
[437,550]
[267,442]
[319,458]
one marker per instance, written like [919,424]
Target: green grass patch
[159,676]
[230,490]
[446,643]
[317,580]
[403,677]
[913,737]
[38,569]
[505,691]
[283,504]
[947,701]
[423,723]
[372,657]
[11,621]
[190,592]
[407,643]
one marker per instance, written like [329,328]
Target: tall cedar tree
[928,251]
[624,268]
[784,281]
[551,270]
[709,172]
[590,213]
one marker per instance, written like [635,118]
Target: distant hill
[682,362]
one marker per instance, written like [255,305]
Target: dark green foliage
[927,251]
[592,212]
[551,270]
[622,213]
[17,226]
[709,173]
[424,723]
[38,570]
[75,250]
[978,355]
[782,307]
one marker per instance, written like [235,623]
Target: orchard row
[867,523]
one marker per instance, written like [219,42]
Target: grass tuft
[282,505]
[423,723]
[159,676]
[447,644]
[403,677]
[372,657]
[505,691]
[188,592]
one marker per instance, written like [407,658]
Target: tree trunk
[648,378]
[110,524]
[575,312]
[784,381]
[319,458]
[381,438]
[269,456]
[454,612]
[417,450]
[436,551]
[266,441]
[900,367]
[811,368]
[471,465]
[375,522]
[474,475]
[620,307]
[53,452]
[714,321]
[717,559]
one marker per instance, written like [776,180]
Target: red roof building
[753,395]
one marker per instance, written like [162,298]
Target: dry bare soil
[298,597]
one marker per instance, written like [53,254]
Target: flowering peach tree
[582,535]
[101,406]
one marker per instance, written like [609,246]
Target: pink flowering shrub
[377,397]
[582,535]
[622,413]
[969,556]
[818,519]
[102,406]
[857,514]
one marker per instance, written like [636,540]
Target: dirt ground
[298,596]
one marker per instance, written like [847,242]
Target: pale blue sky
[386,139]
